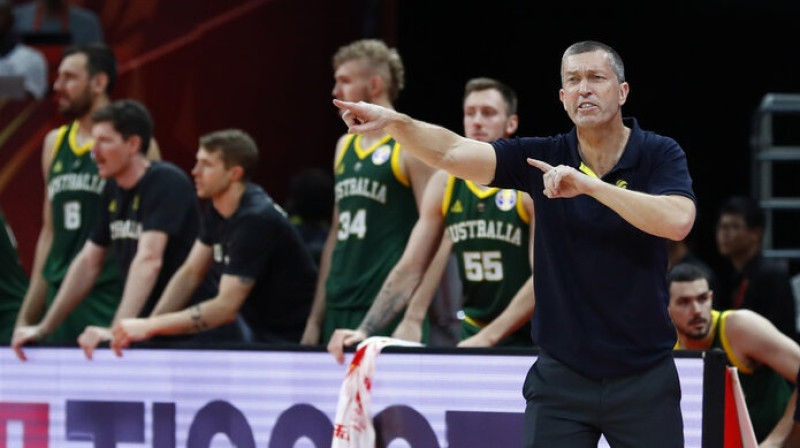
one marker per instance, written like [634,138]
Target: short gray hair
[588,46]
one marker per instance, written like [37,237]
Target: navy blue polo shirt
[600,283]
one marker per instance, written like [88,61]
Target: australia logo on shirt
[505,199]
[382,154]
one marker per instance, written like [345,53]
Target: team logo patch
[621,183]
[505,199]
[382,154]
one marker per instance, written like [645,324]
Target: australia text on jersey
[485,229]
[361,186]
[75,182]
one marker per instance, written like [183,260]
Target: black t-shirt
[162,200]
[259,242]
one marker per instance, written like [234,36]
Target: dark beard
[78,109]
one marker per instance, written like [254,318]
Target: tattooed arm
[212,313]
[185,280]
[406,276]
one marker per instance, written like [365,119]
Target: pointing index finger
[543,166]
[340,104]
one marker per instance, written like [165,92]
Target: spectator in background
[494,266]
[757,283]
[18,59]
[149,218]
[310,206]
[13,281]
[766,359]
[263,269]
[86,79]
[59,16]
[378,187]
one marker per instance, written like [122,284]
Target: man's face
[733,236]
[211,178]
[112,153]
[485,116]
[590,91]
[690,308]
[352,80]
[72,87]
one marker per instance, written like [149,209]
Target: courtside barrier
[286,397]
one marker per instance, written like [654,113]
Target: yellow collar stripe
[363,153]
[477,191]
[73,141]
[586,170]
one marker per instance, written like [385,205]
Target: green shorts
[97,308]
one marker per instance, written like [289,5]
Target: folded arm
[215,312]
[81,276]
[667,216]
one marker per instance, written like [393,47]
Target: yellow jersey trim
[523,214]
[726,344]
[397,168]
[363,153]
[474,322]
[476,190]
[73,141]
[346,144]
[62,131]
[448,194]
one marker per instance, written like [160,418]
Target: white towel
[352,426]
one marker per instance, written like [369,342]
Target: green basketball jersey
[13,281]
[490,234]
[377,211]
[74,189]
[766,391]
